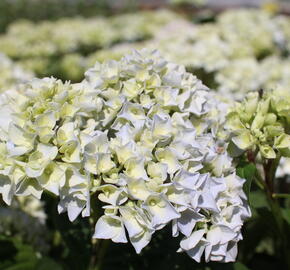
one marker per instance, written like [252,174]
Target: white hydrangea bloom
[237,30]
[36,45]
[276,71]
[11,74]
[168,163]
[139,133]
[41,144]
[240,76]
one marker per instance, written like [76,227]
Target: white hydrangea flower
[11,74]
[141,133]
[42,144]
[240,76]
[35,45]
[167,168]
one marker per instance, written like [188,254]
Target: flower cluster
[40,143]
[240,76]
[138,134]
[37,45]
[261,123]
[232,55]
[226,54]
[11,74]
[237,31]
[162,167]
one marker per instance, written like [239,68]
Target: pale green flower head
[261,123]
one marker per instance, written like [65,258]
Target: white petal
[232,252]
[132,225]
[73,211]
[161,210]
[110,227]
[6,189]
[191,241]
[219,234]
[196,252]
[141,241]
[187,221]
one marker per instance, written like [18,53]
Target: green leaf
[286,215]
[247,171]
[46,263]
[23,258]
[73,237]
[240,266]
[258,199]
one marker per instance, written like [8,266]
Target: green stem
[281,195]
[102,252]
[259,180]
[270,168]
[99,246]
[267,184]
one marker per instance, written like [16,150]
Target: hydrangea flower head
[11,74]
[167,165]
[137,133]
[261,122]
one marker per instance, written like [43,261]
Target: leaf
[286,215]
[74,245]
[240,266]
[24,257]
[46,263]
[247,171]
[258,199]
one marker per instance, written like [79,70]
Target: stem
[270,168]
[259,180]
[102,252]
[281,195]
[99,246]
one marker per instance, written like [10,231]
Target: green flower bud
[283,141]
[273,131]
[267,130]
[252,102]
[270,119]
[244,141]
[258,121]
[267,151]
[263,106]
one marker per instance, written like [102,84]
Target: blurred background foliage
[32,234]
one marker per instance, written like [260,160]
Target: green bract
[262,123]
